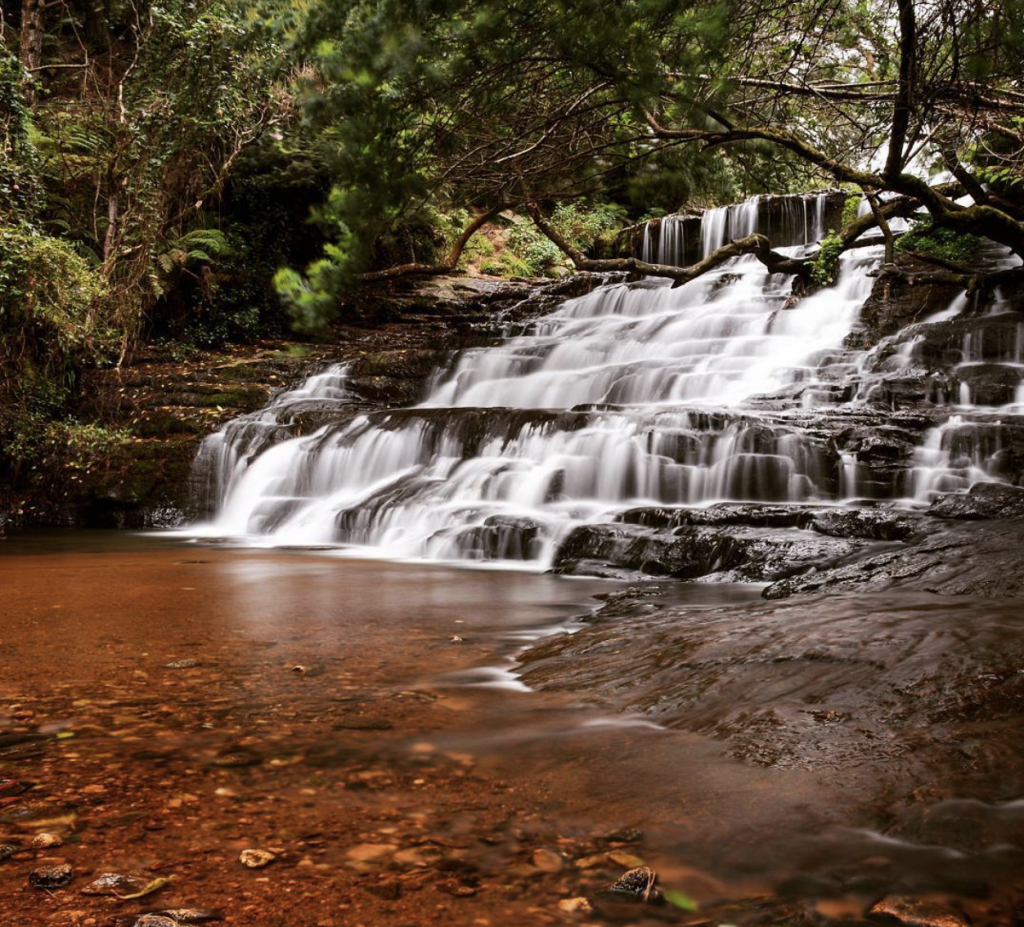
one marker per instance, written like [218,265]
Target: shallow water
[332,710]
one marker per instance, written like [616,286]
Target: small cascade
[672,242]
[955,455]
[725,223]
[638,394]
[225,455]
[789,221]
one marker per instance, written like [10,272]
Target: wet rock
[914,913]
[548,860]
[896,662]
[868,524]
[188,663]
[983,558]
[256,859]
[238,759]
[737,553]
[46,841]
[896,304]
[983,501]
[500,537]
[307,669]
[575,906]
[116,883]
[389,890]
[989,384]
[638,884]
[751,514]
[155,920]
[51,877]
[7,850]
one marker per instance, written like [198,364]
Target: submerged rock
[638,884]
[914,913]
[188,915]
[116,883]
[983,501]
[50,877]
[256,859]
[46,841]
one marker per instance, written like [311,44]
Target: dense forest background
[198,173]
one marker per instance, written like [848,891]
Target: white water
[634,394]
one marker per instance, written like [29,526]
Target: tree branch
[446,266]
[756,244]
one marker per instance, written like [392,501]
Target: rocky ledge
[964,544]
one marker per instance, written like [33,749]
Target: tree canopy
[486,106]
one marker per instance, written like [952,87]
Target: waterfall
[725,223]
[225,455]
[635,394]
[672,241]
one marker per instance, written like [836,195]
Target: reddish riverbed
[164,707]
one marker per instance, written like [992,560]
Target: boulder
[983,501]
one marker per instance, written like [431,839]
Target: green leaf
[681,901]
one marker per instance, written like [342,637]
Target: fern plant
[200,246]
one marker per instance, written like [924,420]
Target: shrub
[826,264]
[49,298]
[924,237]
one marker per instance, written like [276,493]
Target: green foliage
[1008,179]
[531,252]
[851,206]
[947,245]
[826,263]
[19,162]
[76,446]
[48,296]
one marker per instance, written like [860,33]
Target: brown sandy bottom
[164,708]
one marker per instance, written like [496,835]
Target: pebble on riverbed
[46,841]
[49,877]
[256,859]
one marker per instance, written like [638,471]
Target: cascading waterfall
[225,455]
[635,394]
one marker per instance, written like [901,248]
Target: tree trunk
[31,43]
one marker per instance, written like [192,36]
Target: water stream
[635,394]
